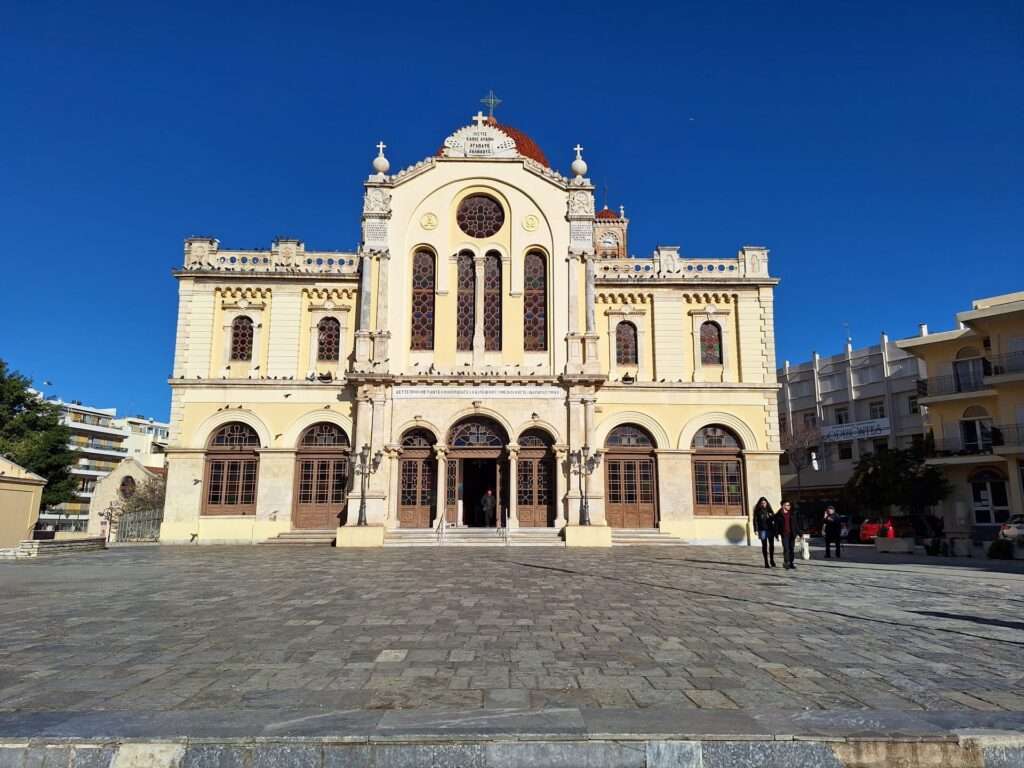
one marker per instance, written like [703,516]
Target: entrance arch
[535,480]
[417,468]
[477,451]
[717,472]
[321,477]
[630,476]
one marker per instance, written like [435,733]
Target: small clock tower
[610,231]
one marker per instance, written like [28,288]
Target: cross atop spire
[491,101]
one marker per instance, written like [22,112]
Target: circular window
[480,216]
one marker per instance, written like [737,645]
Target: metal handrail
[1012,362]
[442,531]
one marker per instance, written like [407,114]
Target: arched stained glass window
[710,343]
[535,303]
[422,300]
[477,433]
[328,340]
[535,438]
[324,434]
[716,437]
[235,435]
[241,338]
[628,436]
[492,302]
[466,308]
[625,344]
[417,438]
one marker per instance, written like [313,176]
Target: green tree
[897,478]
[32,435]
[147,497]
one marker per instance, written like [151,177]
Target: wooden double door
[322,491]
[417,494]
[630,497]
[535,489]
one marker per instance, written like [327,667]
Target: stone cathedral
[491,356]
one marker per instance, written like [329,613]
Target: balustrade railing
[951,385]
[1009,363]
[997,437]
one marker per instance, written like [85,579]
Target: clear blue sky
[875,148]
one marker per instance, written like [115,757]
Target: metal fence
[141,525]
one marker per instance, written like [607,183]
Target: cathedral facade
[491,356]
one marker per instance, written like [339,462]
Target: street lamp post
[585,463]
[364,468]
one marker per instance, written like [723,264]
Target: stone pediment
[483,141]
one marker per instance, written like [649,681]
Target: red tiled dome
[604,213]
[526,146]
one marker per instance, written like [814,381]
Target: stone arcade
[490,333]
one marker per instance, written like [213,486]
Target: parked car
[874,527]
[1013,528]
[870,529]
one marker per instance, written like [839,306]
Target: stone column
[513,475]
[363,336]
[441,455]
[592,362]
[394,453]
[589,296]
[383,335]
[561,477]
[478,314]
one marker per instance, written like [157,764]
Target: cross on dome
[578,149]
[381,146]
[491,101]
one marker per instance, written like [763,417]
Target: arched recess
[290,438]
[728,420]
[231,469]
[477,466]
[535,486]
[214,421]
[631,417]
[429,426]
[417,476]
[484,412]
[631,477]
[718,472]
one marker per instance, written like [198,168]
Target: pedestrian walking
[764,525]
[832,530]
[487,508]
[787,525]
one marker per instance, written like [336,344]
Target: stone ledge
[32,548]
[968,752]
[588,536]
[350,536]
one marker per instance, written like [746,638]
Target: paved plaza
[241,635]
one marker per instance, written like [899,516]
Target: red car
[872,528]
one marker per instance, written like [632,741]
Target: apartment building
[860,400]
[146,439]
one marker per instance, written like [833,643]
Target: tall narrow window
[241,338]
[625,344]
[492,302]
[710,344]
[466,310]
[535,304]
[423,300]
[328,339]
[232,462]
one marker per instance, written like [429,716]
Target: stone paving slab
[229,642]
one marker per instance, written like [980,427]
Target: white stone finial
[380,163]
[579,165]
[479,118]
[622,211]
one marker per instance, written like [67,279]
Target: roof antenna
[606,195]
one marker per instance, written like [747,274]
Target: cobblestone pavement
[253,628]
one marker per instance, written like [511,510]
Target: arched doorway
[321,477]
[535,480]
[476,464]
[717,473]
[417,468]
[630,476]
[232,465]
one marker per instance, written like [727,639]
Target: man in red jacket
[787,525]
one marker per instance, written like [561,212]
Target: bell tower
[610,231]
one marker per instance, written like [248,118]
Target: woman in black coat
[764,525]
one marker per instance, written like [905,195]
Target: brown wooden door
[416,494]
[630,493]
[451,491]
[322,491]
[534,492]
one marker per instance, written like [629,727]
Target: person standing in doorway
[487,507]
[831,529]
[764,524]
[788,527]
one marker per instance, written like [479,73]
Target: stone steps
[474,537]
[31,548]
[309,538]
[644,537]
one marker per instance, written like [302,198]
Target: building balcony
[1008,367]
[98,429]
[954,387]
[84,470]
[99,449]
[1006,438]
